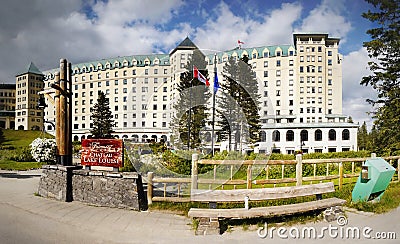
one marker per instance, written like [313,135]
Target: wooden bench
[209,218]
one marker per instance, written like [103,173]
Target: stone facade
[106,189]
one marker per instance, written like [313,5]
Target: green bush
[22,154]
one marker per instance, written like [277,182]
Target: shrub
[43,150]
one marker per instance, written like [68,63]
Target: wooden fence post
[299,170]
[249,186]
[149,188]
[398,170]
[340,175]
[195,158]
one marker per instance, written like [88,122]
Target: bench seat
[271,211]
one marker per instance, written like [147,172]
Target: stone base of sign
[108,189]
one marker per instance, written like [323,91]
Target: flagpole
[213,107]
[190,112]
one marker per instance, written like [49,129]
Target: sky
[43,31]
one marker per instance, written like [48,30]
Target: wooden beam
[265,211]
[260,193]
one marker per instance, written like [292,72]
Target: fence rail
[180,195]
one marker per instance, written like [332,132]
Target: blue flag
[216,84]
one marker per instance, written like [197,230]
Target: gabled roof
[31,69]
[186,44]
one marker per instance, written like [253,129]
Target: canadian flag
[240,42]
[199,76]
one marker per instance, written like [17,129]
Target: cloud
[355,66]
[45,31]
[222,31]
[327,17]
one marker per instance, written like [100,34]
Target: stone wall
[108,189]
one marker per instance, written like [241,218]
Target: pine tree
[362,136]
[1,136]
[384,48]
[191,106]
[102,118]
[239,103]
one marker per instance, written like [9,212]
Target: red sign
[102,152]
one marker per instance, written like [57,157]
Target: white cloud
[327,17]
[122,12]
[45,31]
[223,31]
[355,66]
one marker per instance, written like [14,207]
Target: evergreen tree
[239,103]
[1,136]
[362,136]
[384,48]
[102,118]
[191,111]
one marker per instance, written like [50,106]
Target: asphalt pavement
[26,218]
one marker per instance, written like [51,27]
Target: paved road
[25,218]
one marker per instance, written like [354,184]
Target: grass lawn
[21,166]
[15,142]
[21,138]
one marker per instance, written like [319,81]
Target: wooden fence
[181,194]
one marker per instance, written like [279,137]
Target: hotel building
[7,106]
[300,87]
[28,84]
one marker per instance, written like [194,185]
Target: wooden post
[267,172]
[150,188]
[340,175]
[352,167]
[57,106]
[63,111]
[398,170]
[249,186]
[69,114]
[327,169]
[195,158]
[299,170]
[373,155]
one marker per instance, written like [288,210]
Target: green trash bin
[374,178]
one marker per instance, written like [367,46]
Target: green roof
[31,69]
[259,50]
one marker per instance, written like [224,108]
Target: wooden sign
[102,152]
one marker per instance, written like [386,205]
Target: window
[278,73]
[318,135]
[265,83]
[276,136]
[289,135]
[278,63]
[265,73]
[345,135]
[291,62]
[332,135]
[265,63]
[304,135]
[278,83]
[329,53]
[329,61]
